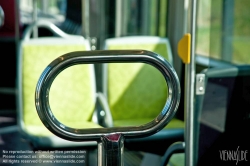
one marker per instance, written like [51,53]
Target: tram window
[50,9]
[223,30]
[203,27]
[142,17]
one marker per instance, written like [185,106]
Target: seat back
[72,96]
[136,92]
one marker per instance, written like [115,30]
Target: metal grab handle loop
[106,56]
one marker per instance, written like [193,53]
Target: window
[49,9]
[223,30]
[141,17]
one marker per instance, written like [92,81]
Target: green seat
[72,94]
[136,93]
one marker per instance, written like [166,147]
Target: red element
[113,137]
[11,10]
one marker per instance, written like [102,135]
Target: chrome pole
[118,18]
[35,29]
[110,150]
[189,93]
[85,18]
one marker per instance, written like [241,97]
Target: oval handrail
[106,56]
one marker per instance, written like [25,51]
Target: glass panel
[223,31]
[203,27]
[48,9]
[215,29]
[241,38]
[209,28]
[144,17]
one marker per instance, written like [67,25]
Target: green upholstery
[137,92]
[175,123]
[129,91]
[72,94]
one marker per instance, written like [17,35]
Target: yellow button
[184,48]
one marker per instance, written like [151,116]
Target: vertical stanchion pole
[189,93]
[35,29]
[85,18]
[110,150]
[118,18]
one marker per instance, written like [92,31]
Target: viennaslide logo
[235,155]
